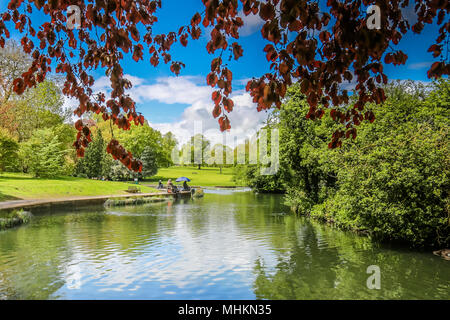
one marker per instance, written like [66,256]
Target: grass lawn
[205,177]
[15,186]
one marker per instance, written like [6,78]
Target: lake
[227,245]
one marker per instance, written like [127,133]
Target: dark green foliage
[14,219]
[302,149]
[394,182]
[8,151]
[391,181]
[250,176]
[149,162]
[92,163]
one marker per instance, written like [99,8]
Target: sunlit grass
[24,186]
[203,177]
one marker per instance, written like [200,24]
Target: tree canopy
[317,45]
[390,182]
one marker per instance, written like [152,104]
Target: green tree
[169,143]
[199,146]
[305,167]
[139,137]
[92,163]
[13,63]
[149,165]
[44,154]
[39,108]
[8,150]
[395,180]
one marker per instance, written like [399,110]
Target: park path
[82,200]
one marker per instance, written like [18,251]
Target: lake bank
[19,186]
[75,201]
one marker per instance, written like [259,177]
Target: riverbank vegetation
[116,202]
[390,181]
[14,219]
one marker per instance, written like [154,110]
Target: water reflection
[224,246]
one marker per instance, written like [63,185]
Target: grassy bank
[16,186]
[204,177]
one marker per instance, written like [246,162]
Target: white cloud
[192,91]
[420,65]
[245,119]
[171,90]
[409,13]
[252,24]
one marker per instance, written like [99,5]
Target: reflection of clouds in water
[225,191]
[73,276]
[186,255]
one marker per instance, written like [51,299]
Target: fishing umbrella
[183,179]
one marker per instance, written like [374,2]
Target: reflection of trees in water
[301,275]
[313,261]
[324,263]
[30,261]
[35,258]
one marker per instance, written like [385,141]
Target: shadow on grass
[5,197]
[18,177]
[14,178]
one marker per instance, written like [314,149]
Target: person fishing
[171,187]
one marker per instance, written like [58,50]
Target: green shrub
[15,218]
[8,151]
[397,188]
[115,202]
[393,181]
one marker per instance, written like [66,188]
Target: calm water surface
[228,245]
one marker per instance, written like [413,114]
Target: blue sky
[174,103]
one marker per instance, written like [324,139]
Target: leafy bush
[391,181]
[118,172]
[8,151]
[44,154]
[394,178]
[250,175]
[91,165]
[15,218]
